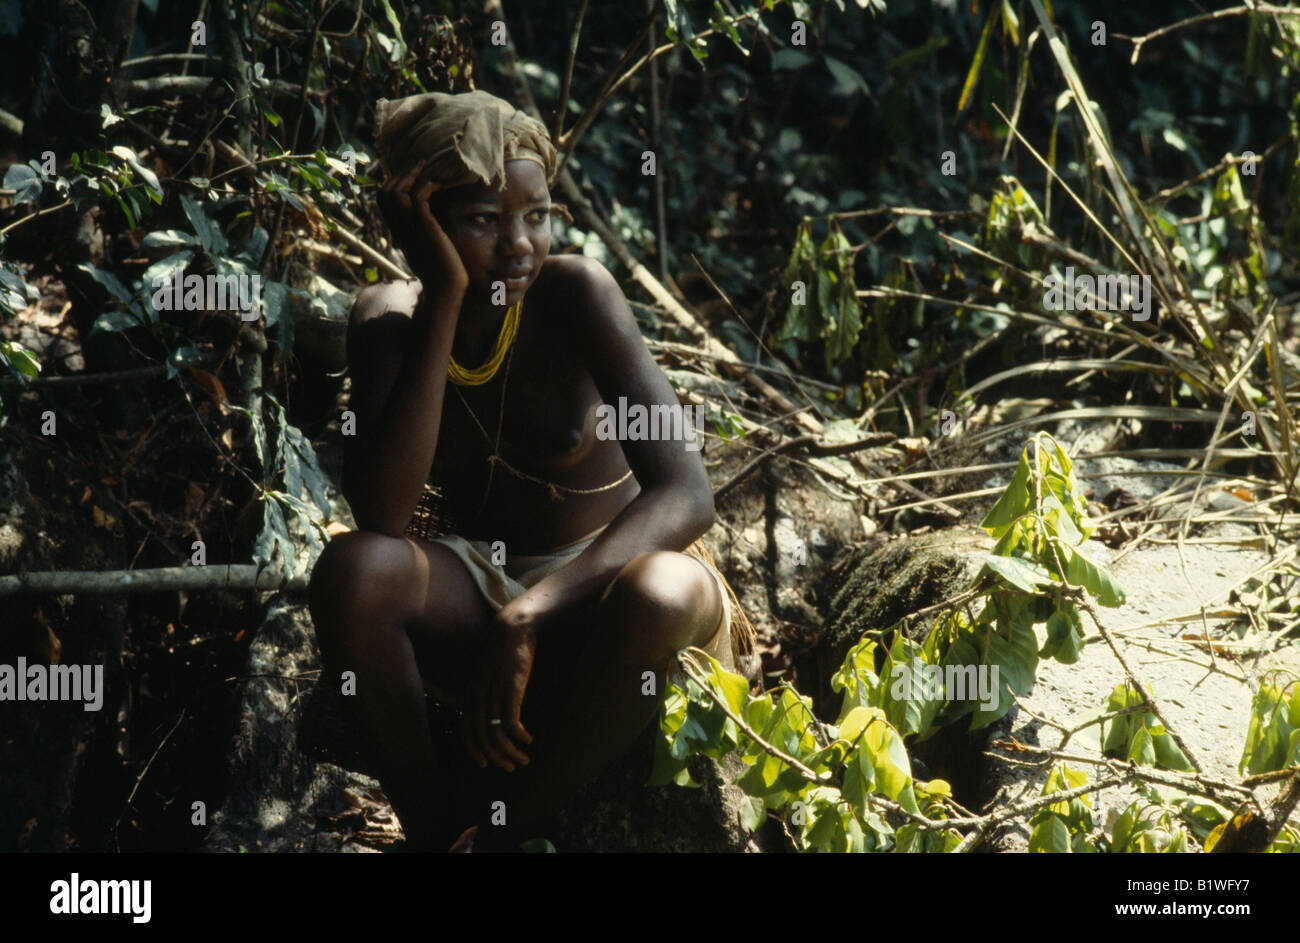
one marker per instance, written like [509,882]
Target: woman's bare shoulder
[385,297]
[589,297]
[571,271]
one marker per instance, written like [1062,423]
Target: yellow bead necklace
[480,375]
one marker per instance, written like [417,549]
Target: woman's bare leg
[391,610]
[587,703]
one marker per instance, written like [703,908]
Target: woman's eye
[540,216]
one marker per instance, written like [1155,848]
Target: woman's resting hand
[496,692]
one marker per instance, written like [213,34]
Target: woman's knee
[668,601]
[362,572]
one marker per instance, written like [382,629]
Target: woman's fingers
[412,172]
[487,737]
[398,188]
[506,746]
[513,721]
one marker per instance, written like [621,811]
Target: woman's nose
[514,238]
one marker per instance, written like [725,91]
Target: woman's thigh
[451,618]
[366,585]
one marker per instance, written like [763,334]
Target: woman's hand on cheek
[418,234]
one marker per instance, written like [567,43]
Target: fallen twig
[161,579]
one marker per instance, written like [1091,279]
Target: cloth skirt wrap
[500,583]
[467,137]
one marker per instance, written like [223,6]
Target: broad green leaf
[169,268]
[108,280]
[1081,571]
[847,79]
[167,237]
[147,175]
[211,237]
[113,321]
[893,769]
[1141,750]
[1050,835]
[753,813]
[26,181]
[20,359]
[1269,736]
[1015,500]
[1064,635]
[1017,661]
[790,59]
[1019,572]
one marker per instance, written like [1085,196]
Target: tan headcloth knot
[467,137]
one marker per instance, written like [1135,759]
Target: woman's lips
[517,282]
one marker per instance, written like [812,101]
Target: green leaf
[147,175]
[722,22]
[1125,826]
[389,14]
[211,237]
[889,760]
[273,537]
[114,321]
[753,813]
[20,359]
[857,679]
[1020,573]
[167,237]
[26,181]
[1050,835]
[790,59]
[1081,571]
[1066,529]
[1014,501]
[1064,635]
[1168,753]
[903,693]
[168,268]
[847,79]
[1140,749]
[981,49]
[108,280]
[1017,661]
[1270,733]
[733,687]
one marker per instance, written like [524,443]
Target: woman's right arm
[398,365]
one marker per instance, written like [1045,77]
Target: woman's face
[501,235]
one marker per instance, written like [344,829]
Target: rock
[618,812]
[280,799]
[874,587]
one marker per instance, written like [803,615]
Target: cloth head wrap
[467,137]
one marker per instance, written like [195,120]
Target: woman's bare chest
[538,413]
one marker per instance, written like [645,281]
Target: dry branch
[160,580]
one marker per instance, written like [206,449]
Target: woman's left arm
[675,505]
